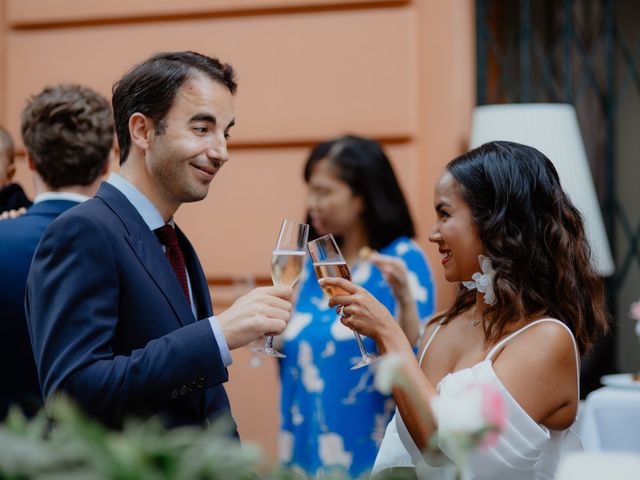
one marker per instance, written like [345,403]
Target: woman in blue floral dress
[332,417]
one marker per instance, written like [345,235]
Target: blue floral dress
[332,417]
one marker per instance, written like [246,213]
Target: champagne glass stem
[363,352]
[269,343]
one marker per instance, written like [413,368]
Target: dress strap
[433,334]
[502,343]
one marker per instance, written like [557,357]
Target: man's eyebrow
[203,117]
[207,117]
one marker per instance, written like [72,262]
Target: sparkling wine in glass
[329,262]
[287,261]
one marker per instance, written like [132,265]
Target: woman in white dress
[520,323]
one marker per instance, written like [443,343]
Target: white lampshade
[553,129]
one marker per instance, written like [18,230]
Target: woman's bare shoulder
[538,367]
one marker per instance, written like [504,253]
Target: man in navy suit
[115,289]
[68,136]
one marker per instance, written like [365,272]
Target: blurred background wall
[402,72]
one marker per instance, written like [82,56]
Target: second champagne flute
[287,260]
[329,262]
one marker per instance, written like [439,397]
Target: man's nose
[218,150]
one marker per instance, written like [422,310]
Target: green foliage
[79,448]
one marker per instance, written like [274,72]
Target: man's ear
[140,129]
[31,162]
[11,171]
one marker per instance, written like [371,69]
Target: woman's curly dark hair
[535,238]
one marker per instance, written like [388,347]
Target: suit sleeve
[72,306]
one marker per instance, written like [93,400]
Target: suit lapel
[199,284]
[148,250]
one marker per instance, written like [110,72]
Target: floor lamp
[553,129]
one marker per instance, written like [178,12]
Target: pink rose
[493,408]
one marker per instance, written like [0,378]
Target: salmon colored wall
[399,71]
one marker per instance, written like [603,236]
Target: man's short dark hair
[68,131]
[150,87]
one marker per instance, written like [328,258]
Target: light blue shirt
[153,219]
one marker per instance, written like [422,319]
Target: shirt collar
[142,204]
[70,196]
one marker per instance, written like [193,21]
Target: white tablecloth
[611,420]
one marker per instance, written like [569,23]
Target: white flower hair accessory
[483,281]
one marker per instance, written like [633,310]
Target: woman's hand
[361,311]
[395,273]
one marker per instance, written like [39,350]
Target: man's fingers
[276,313]
[280,291]
[274,327]
[277,302]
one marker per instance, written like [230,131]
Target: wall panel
[235,227]
[26,13]
[332,69]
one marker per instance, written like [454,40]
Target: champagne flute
[329,262]
[287,261]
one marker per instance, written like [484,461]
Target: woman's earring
[483,282]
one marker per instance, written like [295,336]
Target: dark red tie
[167,236]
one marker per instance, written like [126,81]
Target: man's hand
[263,311]
[7,214]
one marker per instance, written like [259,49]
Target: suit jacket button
[174,393]
[183,389]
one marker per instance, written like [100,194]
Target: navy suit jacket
[18,240]
[109,322]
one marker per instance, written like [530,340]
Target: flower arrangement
[470,417]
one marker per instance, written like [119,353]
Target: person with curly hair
[68,136]
[529,304]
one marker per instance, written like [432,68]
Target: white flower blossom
[285,446]
[386,372]
[332,452]
[418,291]
[483,281]
[297,323]
[311,378]
[460,413]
